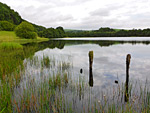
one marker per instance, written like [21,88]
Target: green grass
[10,36]
[117,30]
[10,45]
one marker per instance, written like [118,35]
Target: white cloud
[84,14]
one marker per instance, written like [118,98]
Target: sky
[84,14]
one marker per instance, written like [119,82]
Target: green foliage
[25,30]
[61,32]
[38,28]
[108,32]
[7,14]
[31,35]
[106,29]
[6,26]
[53,33]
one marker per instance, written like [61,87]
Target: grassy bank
[10,36]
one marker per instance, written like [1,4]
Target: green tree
[26,30]
[61,32]
[6,26]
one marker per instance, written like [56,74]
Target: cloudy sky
[84,14]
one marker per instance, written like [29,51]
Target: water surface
[109,58]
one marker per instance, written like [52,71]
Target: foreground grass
[43,84]
[10,46]
[10,36]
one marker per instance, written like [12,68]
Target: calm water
[109,59]
[109,65]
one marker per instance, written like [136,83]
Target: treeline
[12,21]
[108,32]
[53,33]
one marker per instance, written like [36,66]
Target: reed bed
[46,85]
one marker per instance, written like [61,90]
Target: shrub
[31,35]
[6,26]
[26,30]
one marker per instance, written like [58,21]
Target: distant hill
[74,30]
[8,14]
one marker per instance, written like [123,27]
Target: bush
[6,26]
[26,30]
[32,35]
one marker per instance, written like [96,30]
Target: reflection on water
[109,61]
[101,70]
[90,68]
[128,58]
[108,39]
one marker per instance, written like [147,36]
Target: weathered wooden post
[90,68]
[127,77]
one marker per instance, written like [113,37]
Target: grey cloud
[100,12]
[106,11]
[56,21]
[95,23]
[45,15]
[61,3]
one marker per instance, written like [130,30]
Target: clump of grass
[65,65]
[45,61]
[10,46]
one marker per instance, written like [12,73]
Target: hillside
[8,14]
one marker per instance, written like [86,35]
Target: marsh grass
[11,64]
[48,85]
[45,61]
[10,46]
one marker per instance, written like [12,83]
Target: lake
[109,62]
[56,75]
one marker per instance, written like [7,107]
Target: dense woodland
[10,20]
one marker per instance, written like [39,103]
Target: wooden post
[127,77]
[90,68]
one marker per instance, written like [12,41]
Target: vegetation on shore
[10,36]
[109,32]
[25,30]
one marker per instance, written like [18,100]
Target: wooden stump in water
[90,68]
[90,58]
[81,71]
[128,58]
